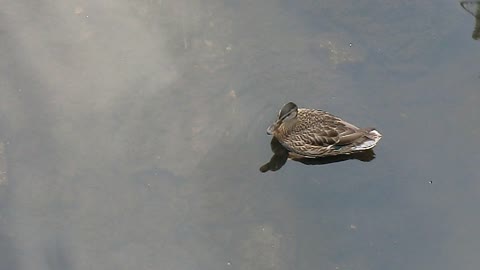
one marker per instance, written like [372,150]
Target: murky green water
[132,133]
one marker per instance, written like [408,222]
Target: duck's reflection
[473,7]
[280,156]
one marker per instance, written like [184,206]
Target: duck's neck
[288,126]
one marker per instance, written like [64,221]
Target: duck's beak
[273,127]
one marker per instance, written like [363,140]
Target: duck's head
[286,115]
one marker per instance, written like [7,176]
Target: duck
[313,133]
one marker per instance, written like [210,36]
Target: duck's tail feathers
[372,136]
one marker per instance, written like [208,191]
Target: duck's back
[317,133]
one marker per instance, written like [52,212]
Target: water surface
[132,133]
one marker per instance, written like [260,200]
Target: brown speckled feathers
[315,133]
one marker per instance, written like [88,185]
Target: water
[133,133]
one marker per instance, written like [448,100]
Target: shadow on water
[280,157]
[473,7]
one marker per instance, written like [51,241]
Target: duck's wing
[329,131]
[326,136]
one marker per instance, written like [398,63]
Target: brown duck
[311,133]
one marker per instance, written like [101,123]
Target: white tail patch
[374,136]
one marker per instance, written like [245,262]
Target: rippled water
[132,132]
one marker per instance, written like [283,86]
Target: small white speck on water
[229,263]
[232,94]
[350,44]
[86,16]
[430,182]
